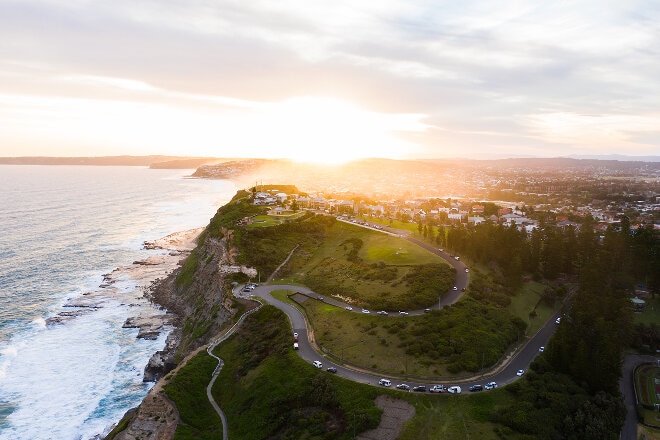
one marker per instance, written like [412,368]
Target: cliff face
[195,293]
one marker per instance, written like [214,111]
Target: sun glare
[330,131]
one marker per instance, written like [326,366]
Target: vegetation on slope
[267,391]
[187,389]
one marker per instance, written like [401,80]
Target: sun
[330,131]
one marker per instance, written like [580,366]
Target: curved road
[502,375]
[507,374]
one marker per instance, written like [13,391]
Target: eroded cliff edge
[197,293]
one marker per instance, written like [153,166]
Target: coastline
[142,274]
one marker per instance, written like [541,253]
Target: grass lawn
[527,305]
[455,417]
[263,221]
[372,268]
[377,247]
[425,345]
[393,250]
[360,339]
[652,313]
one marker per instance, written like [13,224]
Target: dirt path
[395,414]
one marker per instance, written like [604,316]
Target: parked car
[349,308]
[403,313]
[491,385]
[457,258]
[321,298]
[520,372]
[541,349]
[332,370]
[427,310]
[438,389]
[467,270]
[385,382]
[420,388]
[295,336]
[295,346]
[454,389]
[365,311]
[454,288]
[558,320]
[403,386]
[317,364]
[474,388]
[383,313]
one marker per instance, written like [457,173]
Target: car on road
[467,270]
[438,389]
[317,364]
[520,372]
[477,387]
[321,298]
[382,313]
[541,349]
[463,289]
[401,312]
[491,385]
[403,386]
[385,382]
[365,311]
[349,308]
[454,288]
[332,370]
[454,389]
[441,250]
[295,346]
[420,388]
[558,320]
[457,258]
[427,310]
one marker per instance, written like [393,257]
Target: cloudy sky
[329,80]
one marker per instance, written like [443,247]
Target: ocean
[62,228]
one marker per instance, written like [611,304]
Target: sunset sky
[329,80]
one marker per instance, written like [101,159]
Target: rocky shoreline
[133,286]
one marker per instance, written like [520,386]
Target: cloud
[492,75]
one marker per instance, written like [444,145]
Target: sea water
[61,229]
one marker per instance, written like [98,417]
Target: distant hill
[153,161]
[619,157]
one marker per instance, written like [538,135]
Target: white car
[349,308]
[454,288]
[520,372]
[317,364]
[467,270]
[403,313]
[491,385]
[454,389]
[385,382]
[541,349]
[365,311]
[558,320]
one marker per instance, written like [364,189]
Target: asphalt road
[502,375]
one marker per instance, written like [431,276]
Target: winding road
[502,374]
